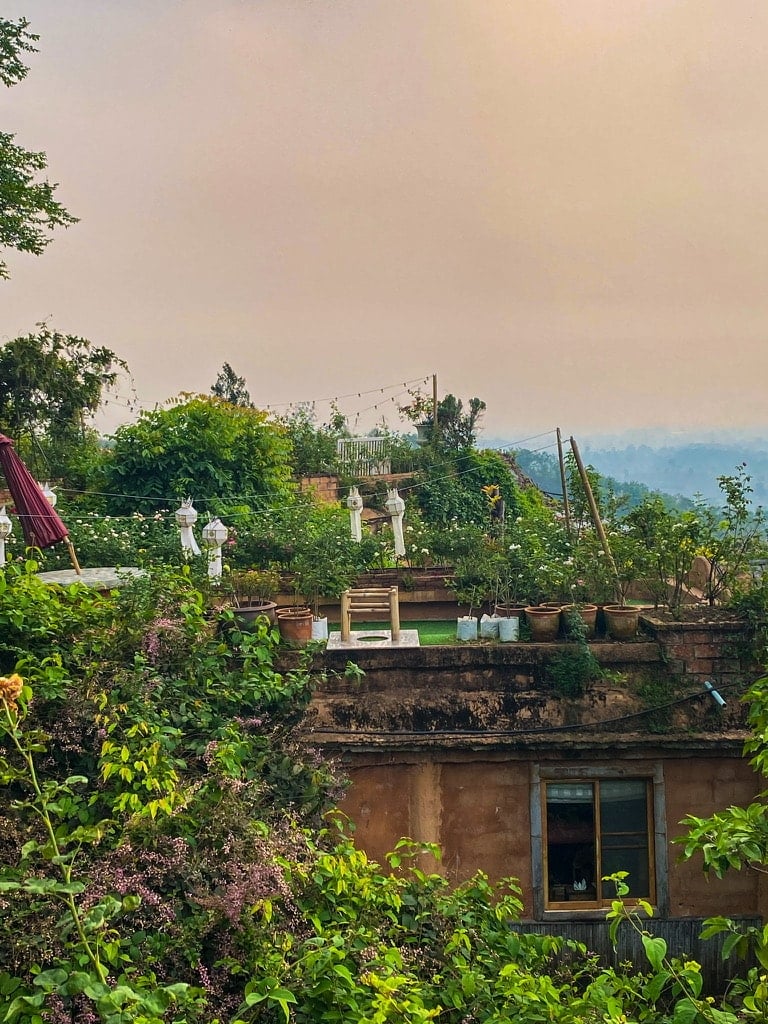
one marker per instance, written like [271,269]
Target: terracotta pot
[509,611]
[588,615]
[621,621]
[544,621]
[247,614]
[295,624]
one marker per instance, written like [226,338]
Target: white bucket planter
[320,629]
[509,630]
[466,628]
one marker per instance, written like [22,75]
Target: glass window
[595,828]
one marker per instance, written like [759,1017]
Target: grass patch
[431,631]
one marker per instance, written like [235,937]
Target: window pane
[623,805]
[570,842]
[624,834]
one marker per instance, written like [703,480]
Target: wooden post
[73,557]
[394,613]
[594,510]
[566,505]
[435,424]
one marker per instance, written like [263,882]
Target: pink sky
[557,205]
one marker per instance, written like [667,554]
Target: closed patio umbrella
[40,524]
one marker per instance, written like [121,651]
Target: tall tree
[28,209]
[51,382]
[231,388]
[200,446]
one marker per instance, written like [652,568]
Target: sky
[556,205]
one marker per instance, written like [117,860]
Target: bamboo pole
[435,423]
[594,511]
[566,505]
[73,557]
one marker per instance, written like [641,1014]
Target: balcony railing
[364,456]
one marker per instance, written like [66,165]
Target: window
[592,823]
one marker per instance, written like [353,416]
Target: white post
[6,528]
[186,517]
[355,506]
[395,506]
[215,534]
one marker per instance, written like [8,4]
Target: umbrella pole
[73,557]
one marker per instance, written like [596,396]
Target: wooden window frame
[543,774]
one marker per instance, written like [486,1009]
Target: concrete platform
[101,578]
[365,639]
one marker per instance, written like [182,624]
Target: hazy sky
[557,205]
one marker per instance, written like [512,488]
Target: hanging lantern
[395,507]
[215,535]
[50,495]
[6,528]
[186,517]
[355,506]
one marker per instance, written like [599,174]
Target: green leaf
[655,949]
[686,1012]
[655,986]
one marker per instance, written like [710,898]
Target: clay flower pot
[295,624]
[544,622]
[246,615]
[621,621]
[588,615]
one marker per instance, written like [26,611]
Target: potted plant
[630,559]
[253,591]
[476,581]
[326,563]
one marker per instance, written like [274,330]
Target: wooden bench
[365,603]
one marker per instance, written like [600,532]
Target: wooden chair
[370,601]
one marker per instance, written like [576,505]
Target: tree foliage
[50,384]
[231,388]
[29,210]
[201,447]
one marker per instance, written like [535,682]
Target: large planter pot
[509,611]
[544,622]
[295,624]
[246,615]
[621,621]
[588,615]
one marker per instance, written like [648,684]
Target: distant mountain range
[689,468]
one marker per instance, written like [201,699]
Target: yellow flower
[10,689]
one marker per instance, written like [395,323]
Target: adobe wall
[441,745]
[478,810]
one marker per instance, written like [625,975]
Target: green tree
[28,208]
[50,384]
[203,447]
[231,388]
[457,427]
[313,444]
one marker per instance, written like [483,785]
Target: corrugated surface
[680,934]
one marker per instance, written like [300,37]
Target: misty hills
[687,469]
[682,470]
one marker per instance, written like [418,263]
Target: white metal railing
[364,456]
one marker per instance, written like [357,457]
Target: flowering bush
[114,541]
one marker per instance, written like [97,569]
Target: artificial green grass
[431,631]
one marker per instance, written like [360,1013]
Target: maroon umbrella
[39,521]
